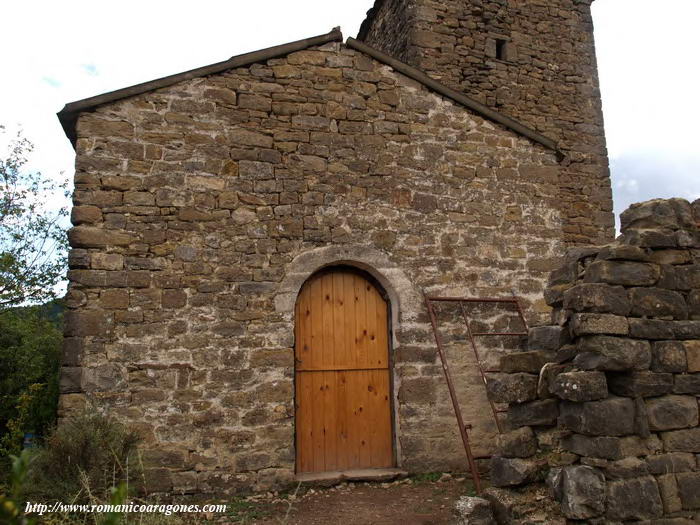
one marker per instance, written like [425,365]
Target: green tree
[30,350]
[33,243]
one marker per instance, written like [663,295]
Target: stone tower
[533,60]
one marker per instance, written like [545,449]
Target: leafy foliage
[33,243]
[11,502]
[89,450]
[30,351]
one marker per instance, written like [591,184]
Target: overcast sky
[55,52]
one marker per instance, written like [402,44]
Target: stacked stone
[605,404]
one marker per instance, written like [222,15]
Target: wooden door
[343,406]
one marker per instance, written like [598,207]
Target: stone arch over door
[405,301]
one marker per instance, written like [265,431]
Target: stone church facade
[454,148]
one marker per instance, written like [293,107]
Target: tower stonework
[533,60]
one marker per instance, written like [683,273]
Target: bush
[30,351]
[83,459]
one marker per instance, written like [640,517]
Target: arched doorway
[342,373]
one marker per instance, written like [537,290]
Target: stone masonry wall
[612,419]
[199,209]
[532,60]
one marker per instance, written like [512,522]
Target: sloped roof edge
[68,116]
[450,93]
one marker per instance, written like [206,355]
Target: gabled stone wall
[199,210]
[532,60]
[607,400]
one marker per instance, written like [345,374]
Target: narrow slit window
[501,46]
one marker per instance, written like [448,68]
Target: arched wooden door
[343,402]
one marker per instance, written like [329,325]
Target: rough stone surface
[627,385]
[640,384]
[601,352]
[672,412]
[520,443]
[511,388]
[587,323]
[598,298]
[580,491]
[613,416]
[486,51]
[473,511]
[632,499]
[510,472]
[669,356]
[580,386]
[543,412]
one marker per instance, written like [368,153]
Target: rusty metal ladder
[464,428]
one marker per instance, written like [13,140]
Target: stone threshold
[339,476]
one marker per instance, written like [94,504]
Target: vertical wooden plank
[361,331]
[382,437]
[354,416]
[328,361]
[349,321]
[318,404]
[316,323]
[366,431]
[330,430]
[340,346]
[373,350]
[342,402]
[305,445]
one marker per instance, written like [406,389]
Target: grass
[427,477]
[242,511]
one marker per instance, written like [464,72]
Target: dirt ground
[414,501]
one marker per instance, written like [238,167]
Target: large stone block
[519,443]
[511,388]
[549,338]
[689,488]
[579,386]
[668,356]
[633,499]
[652,329]
[682,440]
[668,488]
[671,463]
[626,468]
[531,362]
[672,412]
[607,447]
[591,323]
[598,298]
[86,322]
[601,352]
[686,384]
[473,511]
[640,383]
[657,302]
[692,353]
[624,273]
[609,417]
[580,490]
[511,472]
[672,214]
[92,237]
[541,412]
